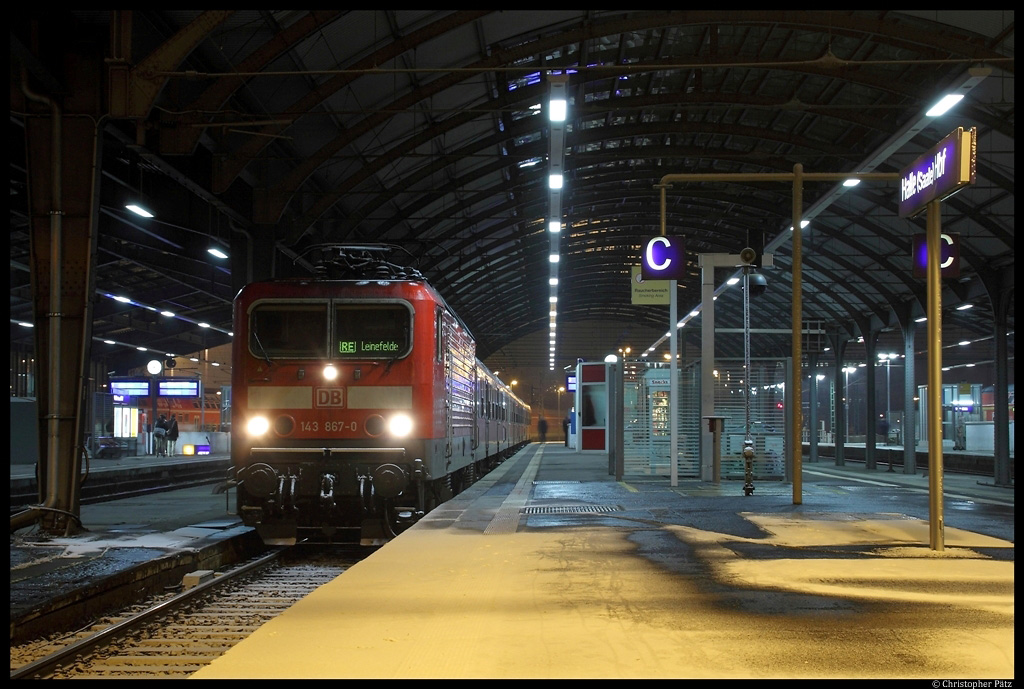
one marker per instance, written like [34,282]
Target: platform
[549,568]
[150,539]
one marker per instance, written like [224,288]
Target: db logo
[330,397]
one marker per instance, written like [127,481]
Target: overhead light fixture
[555,181]
[852,182]
[216,251]
[557,109]
[138,210]
[964,307]
[555,226]
[944,104]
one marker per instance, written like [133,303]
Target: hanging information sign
[939,173]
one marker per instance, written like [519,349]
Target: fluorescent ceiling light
[553,258]
[138,210]
[555,181]
[169,314]
[552,281]
[557,109]
[204,325]
[964,307]
[217,252]
[944,105]
[732,281]
[851,182]
[554,226]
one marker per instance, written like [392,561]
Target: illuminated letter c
[650,254]
[949,241]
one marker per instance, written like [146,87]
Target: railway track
[173,636]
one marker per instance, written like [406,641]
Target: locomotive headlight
[400,425]
[330,372]
[257,425]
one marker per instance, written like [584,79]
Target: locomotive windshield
[371,331]
[288,330]
[300,330]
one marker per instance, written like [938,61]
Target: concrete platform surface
[549,568]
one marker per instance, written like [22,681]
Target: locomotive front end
[330,426]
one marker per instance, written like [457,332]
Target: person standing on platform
[565,428]
[172,435]
[160,437]
[542,429]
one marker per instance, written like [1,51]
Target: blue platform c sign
[663,259]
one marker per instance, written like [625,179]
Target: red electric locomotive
[358,403]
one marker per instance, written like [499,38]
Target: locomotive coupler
[327,490]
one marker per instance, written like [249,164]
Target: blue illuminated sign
[949,255]
[939,173]
[570,382]
[130,388]
[664,259]
[178,387]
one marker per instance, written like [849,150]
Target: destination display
[178,387]
[358,347]
[130,388]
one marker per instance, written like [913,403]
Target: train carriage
[358,405]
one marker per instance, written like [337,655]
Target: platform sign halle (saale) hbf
[939,173]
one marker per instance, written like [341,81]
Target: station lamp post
[887,358]
[847,370]
[155,367]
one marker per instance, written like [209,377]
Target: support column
[63,180]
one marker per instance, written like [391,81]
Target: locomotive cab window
[372,331]
[288,330]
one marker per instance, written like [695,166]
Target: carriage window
[371,331]
[288,330]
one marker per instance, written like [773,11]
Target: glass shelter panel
[647,428]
